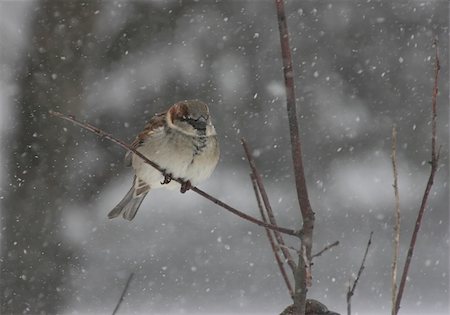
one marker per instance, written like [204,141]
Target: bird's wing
[156,123]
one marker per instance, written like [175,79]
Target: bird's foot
[185,186]
[167,178]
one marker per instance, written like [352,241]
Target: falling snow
[358,69]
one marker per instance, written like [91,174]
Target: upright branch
[124,291]
[434,166]
[437,68]
[273,245]
[259,182]
[122,144]
[308,264]
[351,288]
[296,152]
[397,219]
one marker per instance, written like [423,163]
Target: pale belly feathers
[177,154]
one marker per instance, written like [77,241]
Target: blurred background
[360,67]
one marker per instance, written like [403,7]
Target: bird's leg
[185,186]
[167,178]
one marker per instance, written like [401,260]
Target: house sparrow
[183,142]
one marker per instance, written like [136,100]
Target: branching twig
[270,237]
[325,249]
[296,152]
[397,219]
[108,136]
[434,166]
[351,288]
[124,291]
[267,205]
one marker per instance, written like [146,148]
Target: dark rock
[313,307]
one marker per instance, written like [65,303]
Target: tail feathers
[130,210]
[128,206]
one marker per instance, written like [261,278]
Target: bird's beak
[200,123]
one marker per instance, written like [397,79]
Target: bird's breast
[199,145]
[183,156]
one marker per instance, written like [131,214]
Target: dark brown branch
[267,205]
[299,174]
[270,237]
[397,220]
[351,288]
[108,136]
[437,68]
[127,284]
[243,215]
[434,166]
[325,249]
[300,181]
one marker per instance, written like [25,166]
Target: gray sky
[359,68]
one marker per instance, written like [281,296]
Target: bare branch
[268,207]
[290,248]
[351,288]
[437,68]
[397,219]
[434,166]
[108,136]
[349,302]
[325,249]
[300,181]
[127,284]
[296,152]
[270,237]
[308,276]
[245,216]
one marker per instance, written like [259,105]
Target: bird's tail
[129,205]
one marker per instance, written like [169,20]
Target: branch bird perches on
[222,204]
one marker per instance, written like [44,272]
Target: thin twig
[295,250]
[351,288]
[268,207]
[325,249]
[108,136]
[270,237]
[437,68]
[397,219]
[434,166]
[127,284]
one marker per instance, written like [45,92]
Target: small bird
[183,142]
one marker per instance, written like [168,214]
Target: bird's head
[191,117]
